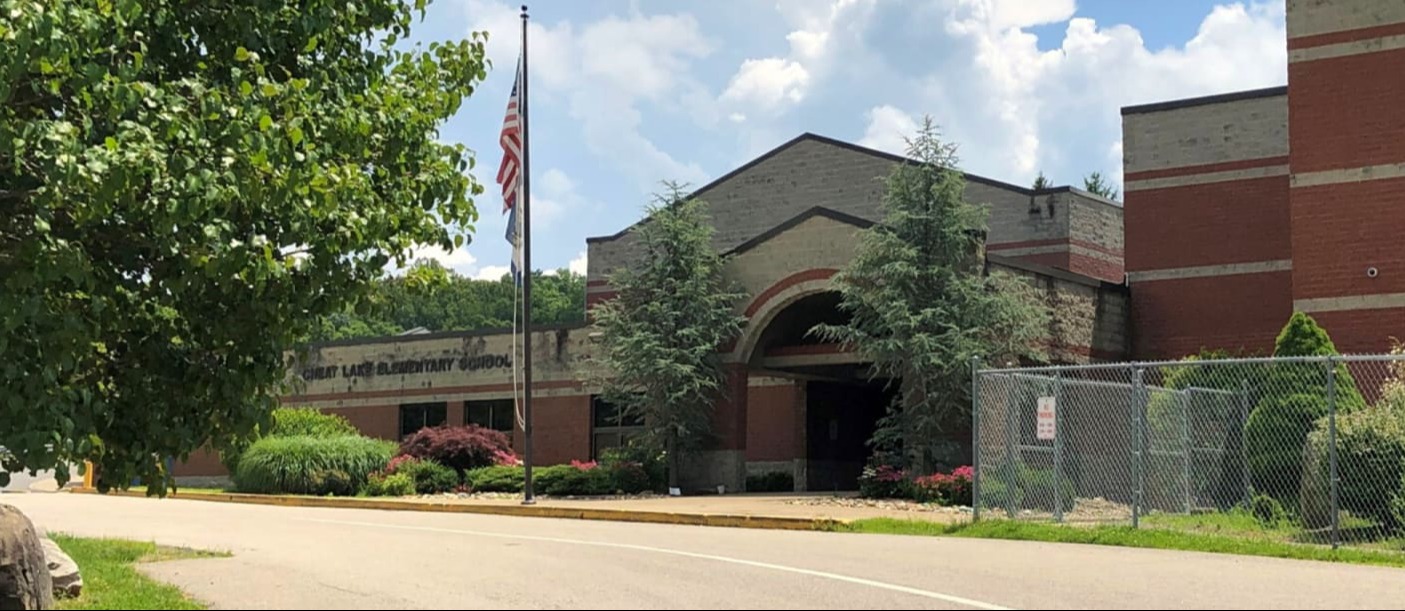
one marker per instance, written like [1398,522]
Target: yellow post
[88,481]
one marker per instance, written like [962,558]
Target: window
[415,416]
[610,428]
[499,414]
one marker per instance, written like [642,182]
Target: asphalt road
[293,558]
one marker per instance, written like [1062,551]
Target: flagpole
[528,494]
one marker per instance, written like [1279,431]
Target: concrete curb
[533,511]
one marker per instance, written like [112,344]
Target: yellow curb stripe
[564,513]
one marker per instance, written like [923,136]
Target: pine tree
[660,335]
[922,305]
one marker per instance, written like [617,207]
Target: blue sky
[627,94]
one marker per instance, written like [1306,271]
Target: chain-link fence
[1303,449]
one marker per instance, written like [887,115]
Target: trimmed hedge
[564,480]
[1273,442]
[311,465]
[496,479]
[429,477]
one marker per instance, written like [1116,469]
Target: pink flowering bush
[945,488]
[884,482]
[584,466]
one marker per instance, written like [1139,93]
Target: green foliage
[311,465]
[394,484]
[922,306]
[1041,182]
[1303,337]
[457,303]
[650,459]
[291,422]
[1033,488]
[1268,512]
[1371,459]
[188,187]
[774,481]
[568,480]
[502,478]
[111,579]
[661,333]
[1274,440]
[1097,185]
[429,477]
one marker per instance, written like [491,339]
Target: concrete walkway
[809,506]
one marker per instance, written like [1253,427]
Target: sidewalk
[766,511]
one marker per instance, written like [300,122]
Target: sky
[628,94]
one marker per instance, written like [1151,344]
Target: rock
[25,582]
[62,570]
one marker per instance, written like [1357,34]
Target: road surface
[296,558]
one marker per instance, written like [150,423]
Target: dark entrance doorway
[840,420]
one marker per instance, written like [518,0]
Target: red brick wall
[772,412]
[1102,269]
[729,416]
[1175,318]
[1345,112]
[1363,331]
[1339,230]
[202,463]
[1210,224]
[560,430]
[379,421]
[1057,260]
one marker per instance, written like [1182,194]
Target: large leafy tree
[186,188]
[660,335]
[922,305]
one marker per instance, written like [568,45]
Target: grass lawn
[111,582]
[1154,537]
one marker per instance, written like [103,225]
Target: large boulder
[25,582]
[62,569]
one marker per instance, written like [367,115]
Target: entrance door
[840,420]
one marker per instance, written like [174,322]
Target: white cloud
[737,117]
[606,71]
[1017,109]
[492,272]
[768,83]
[459,260]
[577,265]
[888,129]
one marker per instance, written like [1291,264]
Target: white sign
[1046,420]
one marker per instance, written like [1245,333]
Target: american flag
[510,174]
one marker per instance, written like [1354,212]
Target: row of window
[609,427]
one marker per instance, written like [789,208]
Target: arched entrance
[839,404]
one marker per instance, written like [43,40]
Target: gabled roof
[811,137]
[794,221]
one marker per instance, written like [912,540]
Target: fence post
[1139,446]
[1243,446]
[1012,430]
[1058,448]
[1185,445]
[1332,448]
[975,439]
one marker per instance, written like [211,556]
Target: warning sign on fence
[1046,420]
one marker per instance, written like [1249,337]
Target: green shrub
[1274,441]
[1037,489]
[290,422]
[311,465]
[429,477]
[628,478]
[1033,489]
[997,495]
[775,481]
[567,480]
[1267,511]
[650,459]
[1370,458]
[395,484]
[503,478]
[306,421]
